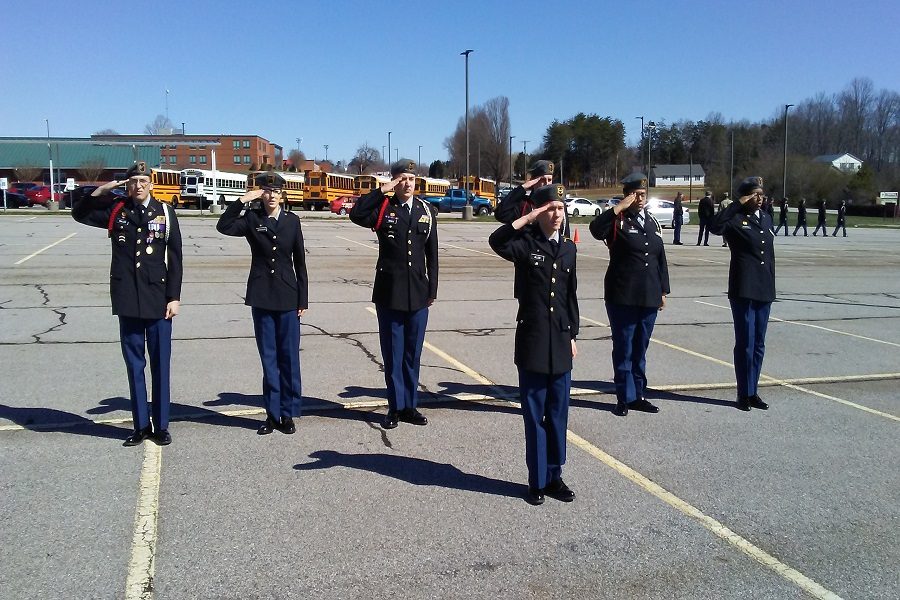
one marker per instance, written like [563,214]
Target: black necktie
[554,246]
[406,206]
[272,223]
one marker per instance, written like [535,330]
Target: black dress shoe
[390,420]
[287,425]
[559,490]
[743,403]
[162,437]
[138,436]
[411,415]
[621,409]
[535,496]
[643,405]
[268,426]
[756,402]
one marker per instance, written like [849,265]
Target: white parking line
[45,248]
[715,262]
[357,243]
[470,250]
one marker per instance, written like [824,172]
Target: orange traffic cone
[575,237]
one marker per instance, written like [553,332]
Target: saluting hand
[745,199]
[107,186]
[252,195]
[390,185]
[538,182]
[624,203]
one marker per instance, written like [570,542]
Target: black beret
[748,185]
[548,193]
[541,167]
[635,181]
[269,179]
[404,165]
[138,169]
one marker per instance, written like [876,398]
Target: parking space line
[715,262]
[139,581]
[45,248]
[764,377]
[470,250]
[357,243]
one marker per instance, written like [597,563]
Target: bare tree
[27,172]
[296,157]
[161,125]
[488,140]
[106,132]
[365,159]
[91,169]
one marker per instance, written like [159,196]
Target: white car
[662,211]
[581,207]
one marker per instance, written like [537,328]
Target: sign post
[4,184]
[889,198]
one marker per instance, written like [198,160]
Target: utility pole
[465,186]
[641,144]
[784,169]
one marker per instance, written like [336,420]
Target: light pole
[50,152]
[466,53]
[383,156]
[651,126]
[642,140]
[731,179]
[510,160]
[326,152]
[784,169]
[525,155]
[389,149]
[419,164]
[396,154]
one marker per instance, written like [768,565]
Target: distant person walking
[841,219]
[677,218]
[801,218]
[821,222]
[705,211]
[783,217]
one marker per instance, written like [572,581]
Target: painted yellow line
[711,524]
[839,332]
[764,377]
[357,243]
[139,581]
[470,250]
[19,262]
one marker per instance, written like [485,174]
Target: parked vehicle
[343,205]
[16,200]
[40,194]
[86,190]
[579,207]
[662,211]
[455,200]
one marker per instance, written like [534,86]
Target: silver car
[580,207]
[662,211]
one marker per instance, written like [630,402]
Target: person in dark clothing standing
[635,289]
[783,217]
[841,219]
[705,211]
[751,285]
[145,287]
[677,218]
[406,282]
[801,218]
[547,326]
[821,222]
[277,292]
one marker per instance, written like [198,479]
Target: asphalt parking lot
[698,501]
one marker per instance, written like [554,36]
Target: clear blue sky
[343,73]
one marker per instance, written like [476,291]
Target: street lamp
[389,147]
[642,140]
[326,152]
[784,170]
[396,154]
[510,160]
[466,53]
[525,155]
[651,126]
[383,156]
[731,179]
[420,158]
[50,152]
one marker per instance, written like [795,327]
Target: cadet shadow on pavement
[50,420]
[357,391]
[323,408]
[416,471]
[690,398]
[179,412]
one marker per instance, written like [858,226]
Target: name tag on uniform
[536,257]
[391,219]
[632,230]
[261,229]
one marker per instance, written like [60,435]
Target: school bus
[367,183]
[322,188]
[166,186]
[486,188]
[294,187]
[432,188]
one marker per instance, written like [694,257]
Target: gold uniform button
[409,252]
[137,265]
[409,241]
[274,248]
[138,242]
[762,263]
[273,260]
[409,263]
[274,236]
[764,241]
[272,271]
[551,309]
[552,294]
[139,230]
[138,253]
[646,264]
[554,265]
[646,254]
[646,243]
[553,280]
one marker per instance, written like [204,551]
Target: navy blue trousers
[278,342]
[402,334]
[631,328]
[676,225]
[134,333]
[782,223]
[840,224]
[823,226]
[751,317]
[545,408]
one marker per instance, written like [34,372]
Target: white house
[677,176]
[845,163]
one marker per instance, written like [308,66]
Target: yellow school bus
[367,183]
[432,188]
[486,188]
[166,186]
[322,188]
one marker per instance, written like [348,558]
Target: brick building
[233,152]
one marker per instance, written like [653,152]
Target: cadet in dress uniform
[706,210]
[406,281]
[751,284]
[547,325]
[801,218]
[277,292]
[145,288]
[783,217]
[636,285]
[841,219]
[677,218]
[822,221]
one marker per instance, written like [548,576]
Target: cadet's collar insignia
[560,190]
[411,166]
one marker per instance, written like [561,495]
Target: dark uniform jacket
[801,213]
[841,213]
[406,275]
[751,274]
[548,307]
[277,280]
[822,212]
[638,274]
[706,209]
[783,212]
[140,283]
[677,211]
